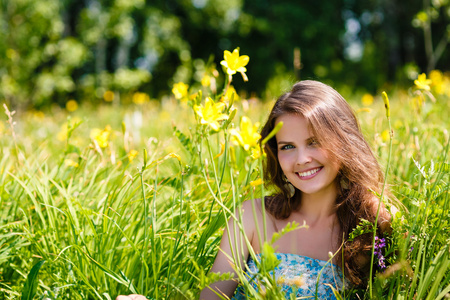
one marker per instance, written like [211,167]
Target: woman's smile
[308,174]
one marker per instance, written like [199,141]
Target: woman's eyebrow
[289,142]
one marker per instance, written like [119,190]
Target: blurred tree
[110,31]
[36,59]
[434,19]
[270,31]
[55,50]
[391,48]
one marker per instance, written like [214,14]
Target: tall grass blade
[31,285]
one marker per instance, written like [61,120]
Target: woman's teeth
[308,173]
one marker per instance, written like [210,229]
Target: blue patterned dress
[297,272]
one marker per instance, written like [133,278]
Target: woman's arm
[232,243]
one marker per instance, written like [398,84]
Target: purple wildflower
[379,245]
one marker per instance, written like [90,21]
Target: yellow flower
[386,104]
[248,136]
[62,134]
[108,96]
[211,113]
[180,90]
[398,124]
[256,153]
[206,80]
[281,280]
[71,105]
[422,82]
[174,155]
[70,163]
[418,101]
[101,136]
[231,93]
[235,63]
[367,99]
[385,135]
[132,155]
[437,78]
[298,281]
[222,150]
[140,98]
[256,182]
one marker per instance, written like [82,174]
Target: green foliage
[363,227]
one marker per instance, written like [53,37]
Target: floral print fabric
[297,272]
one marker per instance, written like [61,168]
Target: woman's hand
[131,297]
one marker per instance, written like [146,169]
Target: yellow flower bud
[386,104]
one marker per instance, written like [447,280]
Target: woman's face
[306,165]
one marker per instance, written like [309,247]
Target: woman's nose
[303,157]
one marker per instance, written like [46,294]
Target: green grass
[152,225]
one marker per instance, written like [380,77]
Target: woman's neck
[317,208]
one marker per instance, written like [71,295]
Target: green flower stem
[387,106]
[144,268]
[154,250]
[263,206]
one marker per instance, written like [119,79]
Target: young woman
[326,176]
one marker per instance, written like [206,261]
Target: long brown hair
[336,129]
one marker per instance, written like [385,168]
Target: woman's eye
[313,143]
[286,147]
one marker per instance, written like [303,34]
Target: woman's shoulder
[254,206]
[251,202]
[249,208]
[252,212]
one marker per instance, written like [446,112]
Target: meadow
[132,195]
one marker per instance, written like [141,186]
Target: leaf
[335,292]
[107,296]
[363,227]
[443,167]
[434,274]
[272,133]
[184,140]
[420,168]
[72,149]
[269,260]
[410,193]
[438,190]
[230,117]
[31,284]
[216,277]
[289,227]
